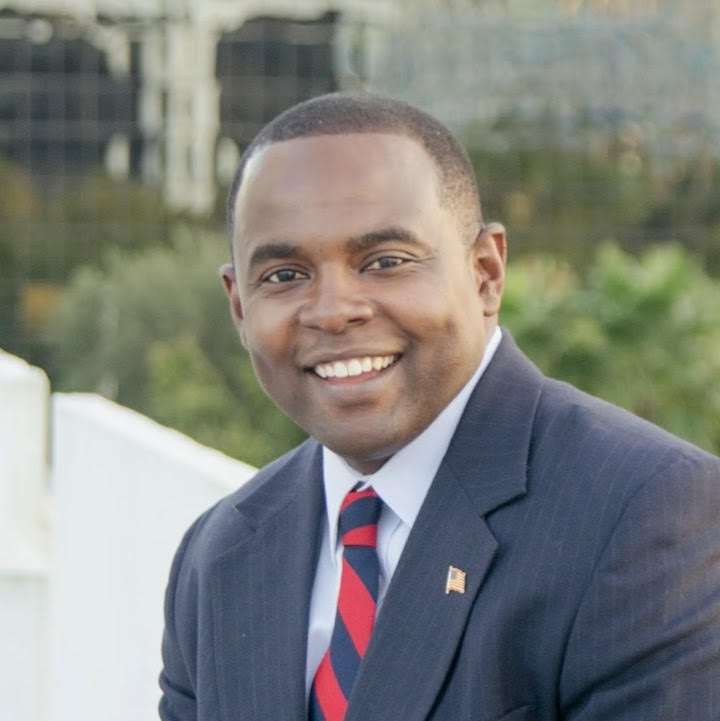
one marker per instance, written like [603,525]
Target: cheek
[270,340]
[267,358]
[266,334]
[448,338]
[434,319]
[266,353]
[273,379]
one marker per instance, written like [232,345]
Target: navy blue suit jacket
[591,544]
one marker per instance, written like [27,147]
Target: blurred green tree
[564,185]
[152,330]
[640,332]
[49,230]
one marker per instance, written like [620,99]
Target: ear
[229,279]
[489,255]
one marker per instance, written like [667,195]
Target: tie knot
[359,515]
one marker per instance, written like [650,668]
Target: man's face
[362,306]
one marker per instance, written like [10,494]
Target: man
[539,554]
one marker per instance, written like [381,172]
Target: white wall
[124,490]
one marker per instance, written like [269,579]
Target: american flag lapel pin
[455,580]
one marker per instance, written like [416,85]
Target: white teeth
[353,366]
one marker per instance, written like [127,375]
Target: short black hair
[343,113]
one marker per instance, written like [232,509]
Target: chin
[364,454]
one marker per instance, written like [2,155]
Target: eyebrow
[367,241]
[273,251]
[279,250]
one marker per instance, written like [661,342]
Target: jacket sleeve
[645,642]
[178,701]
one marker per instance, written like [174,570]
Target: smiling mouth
[350,367]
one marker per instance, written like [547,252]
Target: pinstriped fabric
[591,544]
[357,601]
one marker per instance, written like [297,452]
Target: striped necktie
[357,599]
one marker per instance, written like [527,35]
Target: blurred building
[650,66]
[171,91]
[166,90]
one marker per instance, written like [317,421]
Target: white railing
[83,608]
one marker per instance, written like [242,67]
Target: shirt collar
[403,481]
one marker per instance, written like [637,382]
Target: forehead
[357,174]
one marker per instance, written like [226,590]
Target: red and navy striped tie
[357,600]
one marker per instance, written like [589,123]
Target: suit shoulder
[231,518]
[299,457]
[609,439]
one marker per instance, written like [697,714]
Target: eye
[284,275]
[385,261]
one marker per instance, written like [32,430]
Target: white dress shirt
[402,483]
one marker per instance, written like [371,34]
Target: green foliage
[560,185]
[144,320]
[562,201]
[565,190]
[46,235]
[18,200]
[152,331]
[687,208]
[94,213]
[641,332]
[47,232]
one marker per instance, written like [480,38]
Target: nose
[335,302]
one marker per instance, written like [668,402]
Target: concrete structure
[81,587]
[649,63]
[174,42]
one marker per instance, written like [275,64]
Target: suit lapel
[261,594]
[419,626]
